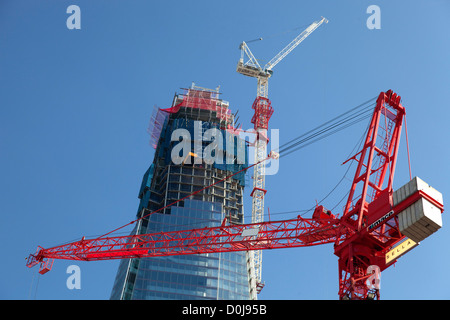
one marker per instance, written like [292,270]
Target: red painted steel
[297,232]
[263,111]
[370,198]
[367,229]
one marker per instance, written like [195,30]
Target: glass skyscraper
[205,124]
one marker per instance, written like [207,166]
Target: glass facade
[198,276]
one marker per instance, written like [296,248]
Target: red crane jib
[266,235]
[365,231]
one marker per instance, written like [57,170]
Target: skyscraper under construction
[195,146]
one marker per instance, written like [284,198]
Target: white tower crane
[263,112]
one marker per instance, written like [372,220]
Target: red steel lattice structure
[376,159]
[197,99]
[367,229]
[297,232]
[263,111]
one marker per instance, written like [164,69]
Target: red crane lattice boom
[297,232]
[366,231]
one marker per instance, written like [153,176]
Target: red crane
[370,234]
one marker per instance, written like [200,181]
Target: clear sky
[75,107]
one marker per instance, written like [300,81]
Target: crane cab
[322,213]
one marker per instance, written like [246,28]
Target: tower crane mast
[263,112]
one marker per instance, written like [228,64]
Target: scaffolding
[156,124]
[196,110]
[197,99]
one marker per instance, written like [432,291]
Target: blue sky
[75,106]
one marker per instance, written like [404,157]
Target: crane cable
[304,211]
[340,122]
[31,286]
